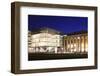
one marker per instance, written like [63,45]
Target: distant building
[30,48]
[29,39]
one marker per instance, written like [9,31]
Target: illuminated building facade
[51,41]
[45,40]
[29,39]
[76,42]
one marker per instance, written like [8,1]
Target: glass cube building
[45,40]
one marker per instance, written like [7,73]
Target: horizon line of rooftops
[58,32]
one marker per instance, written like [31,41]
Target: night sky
[63,24]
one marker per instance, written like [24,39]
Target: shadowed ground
[48,56]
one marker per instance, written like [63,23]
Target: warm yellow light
[78,37]
[71,45]
[74,45]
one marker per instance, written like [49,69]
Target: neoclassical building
[76,42]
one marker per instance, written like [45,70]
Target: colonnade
[78,43]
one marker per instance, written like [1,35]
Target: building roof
[45,29]
[78,32]
[54,31]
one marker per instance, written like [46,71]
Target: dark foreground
[46,56]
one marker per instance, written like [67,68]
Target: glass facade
[45,39]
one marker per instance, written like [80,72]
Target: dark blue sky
[64,24]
